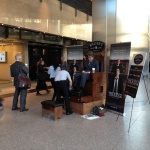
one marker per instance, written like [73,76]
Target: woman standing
[74,67]
[42,77]
[53,69]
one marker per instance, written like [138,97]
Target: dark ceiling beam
[81,5]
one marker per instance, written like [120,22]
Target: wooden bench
[52,106]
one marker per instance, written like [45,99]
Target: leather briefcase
[23,82]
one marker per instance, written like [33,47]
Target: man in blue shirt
[61,86]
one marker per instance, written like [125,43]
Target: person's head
[90,55]
[55,65]
[117,72]
[18,57]
[40,59]
[62,58]
[74,61]
[118,61]
[42,62]
[84,57]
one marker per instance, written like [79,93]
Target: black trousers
[53,85]
[62,88]
[23,95]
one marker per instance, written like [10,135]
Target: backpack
[95,111]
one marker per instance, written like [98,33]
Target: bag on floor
[99,109]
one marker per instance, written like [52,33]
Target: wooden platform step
[85,108]
[83,99]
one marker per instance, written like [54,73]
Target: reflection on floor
[7,88]
[30,131]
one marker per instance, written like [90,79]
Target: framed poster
[3,56]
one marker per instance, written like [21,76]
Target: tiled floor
[30,131]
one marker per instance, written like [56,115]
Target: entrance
[49,54]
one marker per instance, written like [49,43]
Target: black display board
[117,76]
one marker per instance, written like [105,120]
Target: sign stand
[131,116]
[133,103]
[146,88]
[118,116]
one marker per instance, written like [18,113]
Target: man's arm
[11,71]
[70,81]
[25,69]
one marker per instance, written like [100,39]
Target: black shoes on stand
[74,92]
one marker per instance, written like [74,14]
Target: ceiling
[81,5]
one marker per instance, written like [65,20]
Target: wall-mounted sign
[97,46]
[3,56]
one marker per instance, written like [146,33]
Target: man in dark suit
[15,69]
[86,71]
[117,65]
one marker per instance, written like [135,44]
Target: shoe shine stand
[94,95]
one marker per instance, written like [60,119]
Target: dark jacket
[88,66]
[16,69]
[42,73]
[114,67]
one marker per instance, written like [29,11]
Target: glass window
[2,32]
[13,33]
[53,38]
[31,35]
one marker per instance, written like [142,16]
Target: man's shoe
[69,112]
[15,108]
[26,109]
[38,94]
[79,94]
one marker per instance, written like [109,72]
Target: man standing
[86,71]
[62,87]
[16,69]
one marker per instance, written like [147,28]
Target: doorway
[49,54]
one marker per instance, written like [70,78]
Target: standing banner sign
[135,72]
[117,76]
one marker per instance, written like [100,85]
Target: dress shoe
[16,108]
[69,112]
[38,94]
[80,93]
[25,109]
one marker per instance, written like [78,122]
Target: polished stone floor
[30,131]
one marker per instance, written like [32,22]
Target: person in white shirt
[53,69]
[62,88]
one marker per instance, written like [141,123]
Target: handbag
[23,82]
